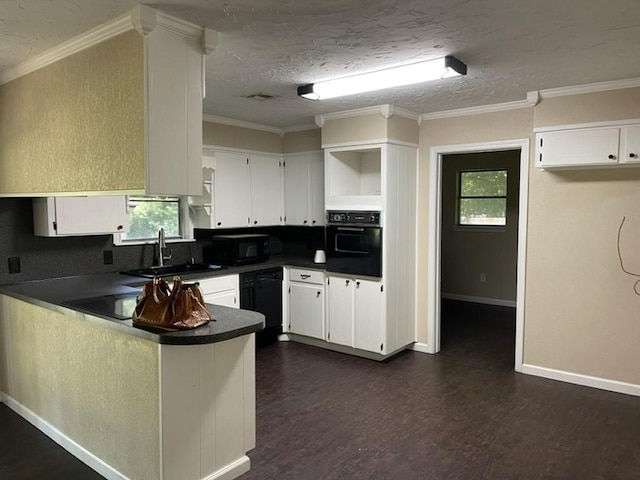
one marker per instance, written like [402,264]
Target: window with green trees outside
[148,214]
[482,198]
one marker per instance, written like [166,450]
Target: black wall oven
[354,243]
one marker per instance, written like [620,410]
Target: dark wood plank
[461,414]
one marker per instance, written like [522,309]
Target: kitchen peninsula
[128,402]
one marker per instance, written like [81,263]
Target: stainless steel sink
[167,270]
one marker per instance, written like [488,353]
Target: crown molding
[300,128]
[462,112]
[141,18]
[92,37]
[590,88]
[386,110]
[256,126]
[240,123]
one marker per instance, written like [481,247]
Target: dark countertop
[230,322]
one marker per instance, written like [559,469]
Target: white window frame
[480,227]
[186,229]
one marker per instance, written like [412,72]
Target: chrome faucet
[162,245]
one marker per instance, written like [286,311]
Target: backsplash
[44,257]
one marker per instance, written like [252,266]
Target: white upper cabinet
[174,113]
[304,189]
[266,189]
[353,178]
[630,138]
[231,190]
[246,190]
[574,148]
[70,216]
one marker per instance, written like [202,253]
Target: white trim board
[257,126]
[584,380]
[434,235]
[590,88]
[484,300]
[61,439]
[209,150]
[368,143]
[385,110]
[420,347]
[481,109]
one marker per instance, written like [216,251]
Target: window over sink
[147,214]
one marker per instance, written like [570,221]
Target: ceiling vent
[260,96]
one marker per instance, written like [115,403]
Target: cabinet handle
[317,294]
[219,223]
[611,157]
[304,276]
[347,282]
[255,222]
[305,222]
[633,155]
[313,222]
[358,284]
[120,227]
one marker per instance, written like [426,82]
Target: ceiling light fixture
[445,67]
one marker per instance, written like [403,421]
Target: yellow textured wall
[76,125]
[231,136]
[97,386]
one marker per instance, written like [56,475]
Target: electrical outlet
[483,278]
[107,257]
[14,264]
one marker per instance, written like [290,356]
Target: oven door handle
[350,229]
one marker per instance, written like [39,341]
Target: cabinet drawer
[306,276]
[218,284]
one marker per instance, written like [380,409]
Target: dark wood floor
[461,414]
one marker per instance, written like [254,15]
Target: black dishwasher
[261,291]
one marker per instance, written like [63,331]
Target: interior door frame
[435,235]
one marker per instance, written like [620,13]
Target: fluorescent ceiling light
[445,67]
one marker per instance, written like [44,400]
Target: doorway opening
[470,226]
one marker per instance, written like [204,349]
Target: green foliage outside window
[483,198]
[149,214]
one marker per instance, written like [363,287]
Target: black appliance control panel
[353,218]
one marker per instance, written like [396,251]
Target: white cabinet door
[67,216]
[341,311]
[223,290]
[232,199]
[227,298]
[630,151]
[266,190]
[296,191]
[306,310]
[316,188]
[369,316]
[578,148]
[174,119]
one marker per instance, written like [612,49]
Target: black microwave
[237,249]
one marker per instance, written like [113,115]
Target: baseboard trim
[231,471]
[585,380]
[421,347]
[61,439]
[484,300]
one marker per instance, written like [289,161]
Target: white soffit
[256,126]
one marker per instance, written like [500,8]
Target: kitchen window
[147,214]
[482,198]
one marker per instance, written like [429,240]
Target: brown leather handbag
[162,307]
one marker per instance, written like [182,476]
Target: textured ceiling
[272,46]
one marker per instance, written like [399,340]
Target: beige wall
[239,137]
[403,129]
[303,141]
[76,125]
[581,311]
[98,387]
[491,127]
[469,252]
[354,129]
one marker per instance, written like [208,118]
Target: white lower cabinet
[356,313]
[306,303]
[223,290]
